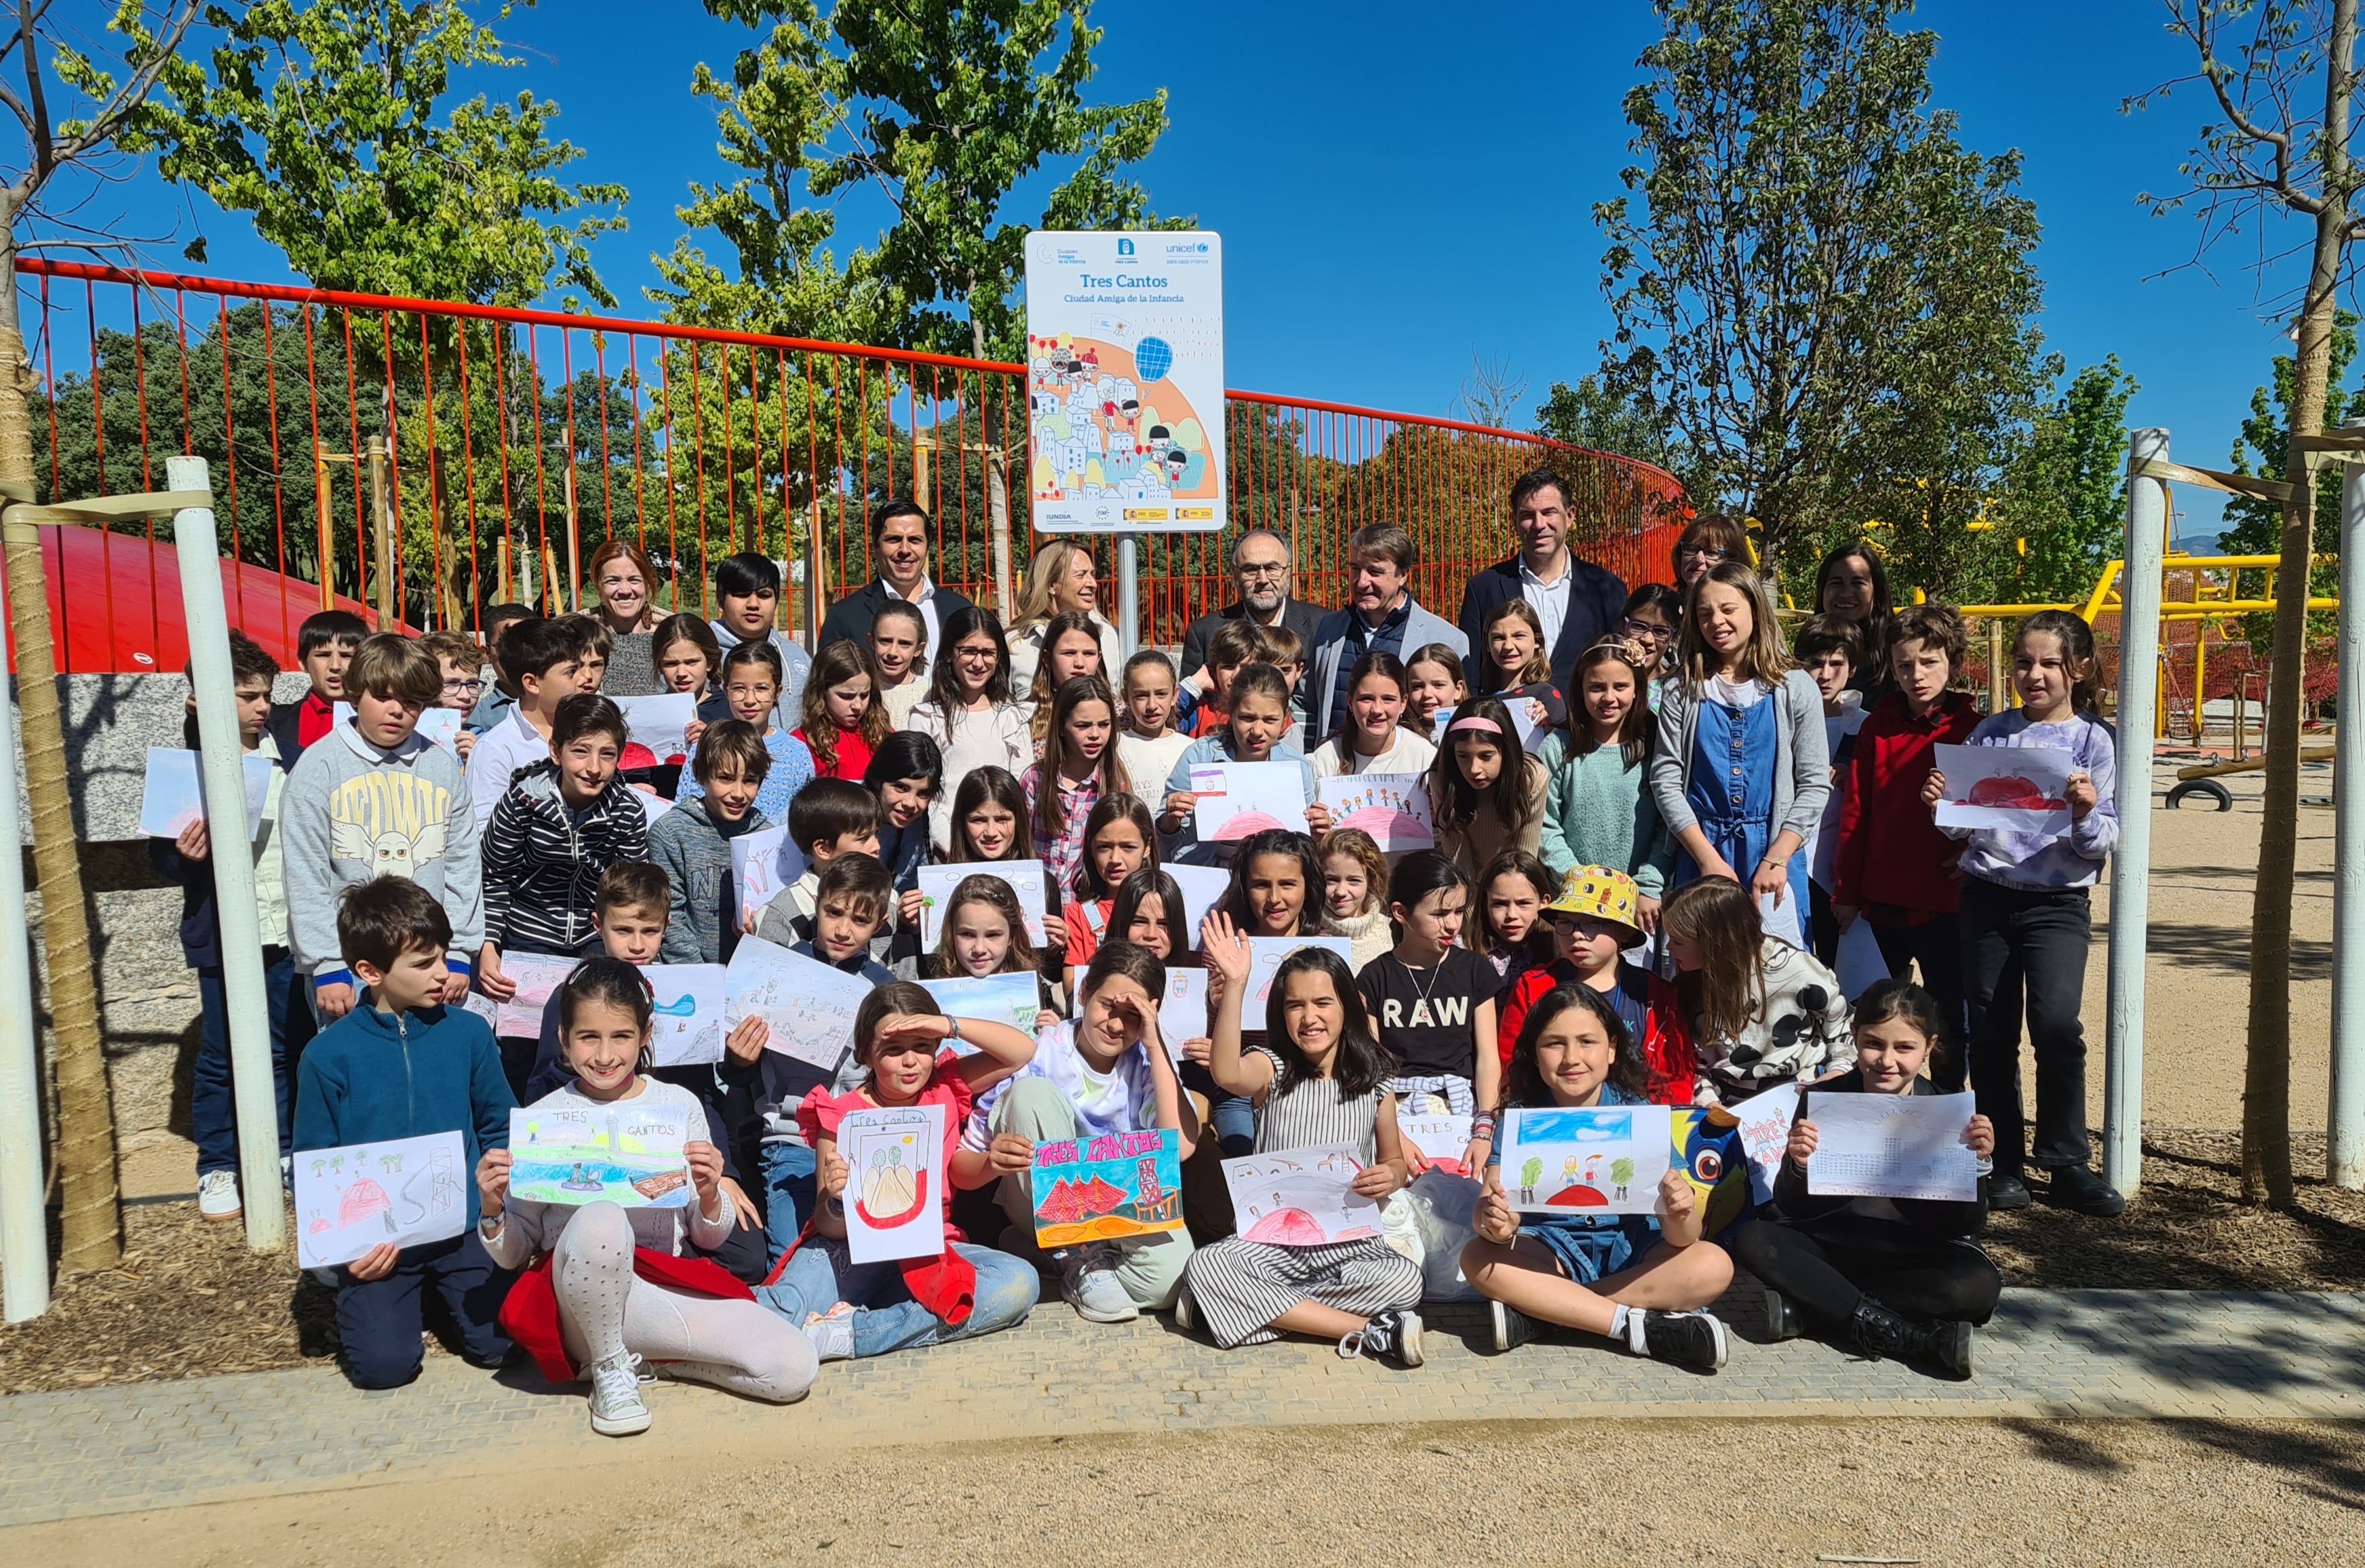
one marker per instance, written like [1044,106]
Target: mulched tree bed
[190,1300]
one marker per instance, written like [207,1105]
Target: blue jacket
[372,1076]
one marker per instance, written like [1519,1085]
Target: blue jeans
[886,1317]
[380,1320]
[213,1113]
[790,1174]
[1233,1115]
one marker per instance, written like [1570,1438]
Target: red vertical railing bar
[812,491]
[139,374]
[730,456]
[698,449]
[837,464]
[788,521]
[540,474]
[435,508]
[278,475]
[505,422]
[606,467]
[756,464]
[468,476]
[574,479]
[49,382]
[673,525]
[312,395]
[229,462]
[640,518]
[388,415]
[361,461]
[181,331]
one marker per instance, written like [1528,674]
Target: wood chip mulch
[189,1300]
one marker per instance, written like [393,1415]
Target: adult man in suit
[1381,615]
[1261,568]
[898,544]
[1578,603]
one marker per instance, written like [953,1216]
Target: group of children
[1617,909]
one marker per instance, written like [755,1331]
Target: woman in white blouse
[1061,578]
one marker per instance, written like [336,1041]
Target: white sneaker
[1092,1287]
[832,1333]
[617,1409]
[217,1195]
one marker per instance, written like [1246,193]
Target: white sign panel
[1124,381]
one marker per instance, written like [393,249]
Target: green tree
[1593,413]
[1779,146]
[2255,527]
[2067,497]
[326,123]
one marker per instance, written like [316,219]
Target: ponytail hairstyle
[1635,730]
[985,890]
[1420,874]
[1113,808]
[2077,639]
[1050,812]
[1360,1064]
[1539,665]
[1289,844]
[1148,883]
[1452,799]
[615,983]
[1523,1084]
[1718,915]
[837,663]
[997,785]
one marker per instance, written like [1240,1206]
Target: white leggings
[604,1310]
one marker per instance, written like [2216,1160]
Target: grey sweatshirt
[350,813]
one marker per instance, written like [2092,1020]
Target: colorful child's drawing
[1237,799]
[808,1006]
[172,794]
[1705,1145]
[1265,956]
[1203,888]
[1765,1126]
[762,865]
[1102,1188]
[2014,789]
[685,1025]
[1011,999]
[1392,807]
[1581,1159]
[575,1151]
[406,1191]
[1026,878]
[1436,1142]
[1301,1197]
[538,979]
[895,1183]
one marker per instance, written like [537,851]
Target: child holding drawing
[1106,1073]
[2027,924]
[1642,1280]
[870,1309]
[615,1286]
[984,933]
[1432,1001]
[1899,1276]
[1253,732]
[1322,1079]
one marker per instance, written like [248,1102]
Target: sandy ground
[1891,1491]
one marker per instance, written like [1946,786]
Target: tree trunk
[2266,1077]
[91,1223]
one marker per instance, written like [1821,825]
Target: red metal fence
[509,444]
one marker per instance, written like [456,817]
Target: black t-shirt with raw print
[1425,1015]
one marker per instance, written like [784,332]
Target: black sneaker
[2079,1190]
[2006,1191]
[1512,1327]
[1393,1334]
[1694,1340]
[1783,1318]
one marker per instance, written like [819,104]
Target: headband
[1476,721]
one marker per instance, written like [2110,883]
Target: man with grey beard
[1261,569]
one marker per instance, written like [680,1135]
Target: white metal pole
[2130,867]
[24,1226]
[220,764]
[1129,602]
[2346,1154]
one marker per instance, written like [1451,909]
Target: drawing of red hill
[1390,828]
[2010,793]
[1295,1227]
[1246,822]
[1579,1196]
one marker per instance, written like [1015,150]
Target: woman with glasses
[1654,613]
[969,713]
[1708,539]
[626,585]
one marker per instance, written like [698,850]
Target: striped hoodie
[542,859]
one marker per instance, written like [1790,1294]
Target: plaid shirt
[1062,853]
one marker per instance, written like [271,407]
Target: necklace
[1413,974]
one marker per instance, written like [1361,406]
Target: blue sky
[1397,194]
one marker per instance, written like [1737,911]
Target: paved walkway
[2075,1353]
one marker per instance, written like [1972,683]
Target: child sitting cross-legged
[1593,923]
[616,1286]
[1901,1277]
[1320,1077]
[401,1064]
[1107,1073]
[903,1051]
[1639,1279]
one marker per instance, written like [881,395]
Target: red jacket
[1891,851]
[1667,1042]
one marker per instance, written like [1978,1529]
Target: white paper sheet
[575,1151]
[1011,999]
[658,723]
[2015,789]
[1183,1011]
[1892,1146]
[1392,807]
[1265,956]
[1237,799]
[1440,1141]
[1301,1197]
[690,1003]
[808,1005]
[1203,888]
[442,725]
[1026,878]
[1603,1160]
[171,795]
[895,1183]
[763,864]
[1765,1134]
[405,1191]
[652,805]
[538,976]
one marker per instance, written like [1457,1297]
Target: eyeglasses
[1650,629]
[1705,551]
[463,688]
[1262,568]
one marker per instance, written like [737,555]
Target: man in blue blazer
[1381,614]
[899,545]
[1578,603]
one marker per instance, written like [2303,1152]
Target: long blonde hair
[1051,563]
[1763,657]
